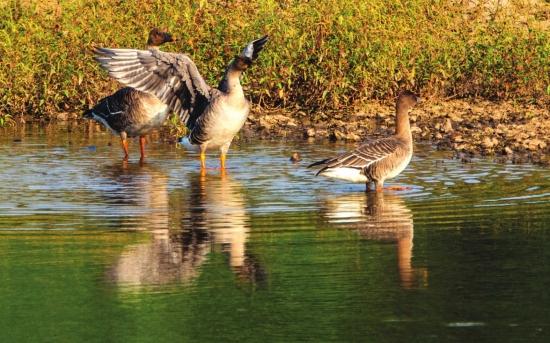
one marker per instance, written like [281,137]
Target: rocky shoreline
[506,130]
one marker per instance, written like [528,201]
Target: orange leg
[222,161]
[124,143]
[203,160]
[142,147]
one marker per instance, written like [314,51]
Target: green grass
[323,55]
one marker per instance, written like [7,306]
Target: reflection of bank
[383,218]
[210,213]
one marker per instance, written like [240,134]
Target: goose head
[406,101]
[157,37]
[250,53]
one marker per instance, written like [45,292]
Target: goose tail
[318,163]
[88,114]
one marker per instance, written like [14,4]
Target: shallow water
[92,249]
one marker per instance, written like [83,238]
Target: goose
[130,112]
[376,160]
[213,115]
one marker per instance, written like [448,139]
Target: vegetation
[5,119]
[323,55]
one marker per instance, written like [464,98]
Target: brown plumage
[376,160]
[213,115]
[129,112]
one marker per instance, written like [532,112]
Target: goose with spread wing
[130,112]
[213,115]
[376,160]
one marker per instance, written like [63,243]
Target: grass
[5,119]
[322,56]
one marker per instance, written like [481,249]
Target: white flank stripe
[348,174]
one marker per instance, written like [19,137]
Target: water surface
[93,249]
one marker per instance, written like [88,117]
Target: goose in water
[376,160]
[213,115]
[130,112]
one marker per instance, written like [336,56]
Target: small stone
[291,122]
[457,139]
[310,132]
[459,147]
[295,157]
[339,135]
[487,143]
[264,123]
[537,143]
[352,137]
[508,151]
[448,126]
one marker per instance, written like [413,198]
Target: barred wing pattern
[173,78]
[364,156]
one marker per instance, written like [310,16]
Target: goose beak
[169,38]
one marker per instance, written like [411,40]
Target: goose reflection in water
[137,195]
[208,214]
[380,217]
[216,210]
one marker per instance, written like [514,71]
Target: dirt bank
[506,130]
[509,130]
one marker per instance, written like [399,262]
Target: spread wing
[362,157]
[173,78]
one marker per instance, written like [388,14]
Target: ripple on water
[293,253]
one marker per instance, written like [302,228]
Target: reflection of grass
[324,54]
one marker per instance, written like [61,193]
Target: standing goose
[130,112]
[377,160]
[213,115]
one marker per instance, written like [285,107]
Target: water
[92,249]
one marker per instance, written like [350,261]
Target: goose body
[213,115]
[130,112]
[220,122]
[376,160]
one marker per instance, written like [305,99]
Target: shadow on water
[186,226]
[380,217]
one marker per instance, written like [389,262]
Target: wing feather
[173,78]
[362,157]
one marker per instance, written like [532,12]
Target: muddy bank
[508,130]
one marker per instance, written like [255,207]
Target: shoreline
[505,130]
[470,128]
